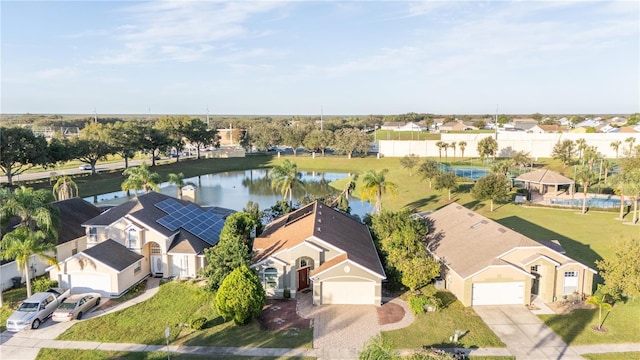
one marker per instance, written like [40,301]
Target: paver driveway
[526,336]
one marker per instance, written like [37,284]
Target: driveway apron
[526,336]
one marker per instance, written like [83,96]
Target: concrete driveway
[525,335]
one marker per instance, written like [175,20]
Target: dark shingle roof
[73,213]
[321,221]
[113,254]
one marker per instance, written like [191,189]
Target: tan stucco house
[320,249]
[485,263]
[71,239]
[150,235]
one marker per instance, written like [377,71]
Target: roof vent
[319,229]
[476,225]
[470,214]
[458,207]
[484,221]
[320,221]
[502,230]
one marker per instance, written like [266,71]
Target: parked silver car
[76,306]
[36,309]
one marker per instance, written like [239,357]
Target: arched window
[303,262]
[270,278]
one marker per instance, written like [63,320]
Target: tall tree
[488,147]
[502,167]
[621,271]
[493,187]
[294,136]
[125,139]
[65,188]
[585,177]
[440,145]
[463,146]
[429,169]
[155,141]
[453,145]
[563,151]
[285,177]
[375,185]
[351,141]
[615,145]
[33,208]
[199,135]
[140,178]
[630,140]
[446,181]
[23,242]
[581,145]
[20,150]
[409,162]
[522,158]
[178,181]
[319,140]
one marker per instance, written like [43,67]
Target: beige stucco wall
[585,280]
[496,275]
[454,283]
[346,272]
[283,278]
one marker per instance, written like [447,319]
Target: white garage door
[510,293]
[348,292]
[82,282]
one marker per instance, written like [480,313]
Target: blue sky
[298,57]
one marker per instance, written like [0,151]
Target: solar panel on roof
[201,223]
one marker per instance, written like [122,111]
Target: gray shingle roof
[544,176]
[73,213]
[113,254]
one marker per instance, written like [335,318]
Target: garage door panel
[348,292]
[508,293]
[82,283]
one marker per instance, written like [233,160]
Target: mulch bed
[280,315]
[390,313]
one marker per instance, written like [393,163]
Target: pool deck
[550,197]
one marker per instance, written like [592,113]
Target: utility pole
[207,116]
[95,115]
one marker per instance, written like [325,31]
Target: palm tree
[453,146]
[584,176]
[375,185]
[34,209]
[522,158]
[23,242]
[600,303]
[178,180]
[615,145]
[620,184]
[440,145]
[140,178]
[463,145]
[65,188]
[582,145]
[502,167]
[630,141]
[285,177]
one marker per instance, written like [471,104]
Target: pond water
[232,190]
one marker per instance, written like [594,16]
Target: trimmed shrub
[197,323]
[42,284]
[420,303]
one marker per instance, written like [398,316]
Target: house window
[132,239]
[303,263]
[93,235]
[534,268]
[155,249]
[270,278]
[74,251]
[138,268]
[570,282]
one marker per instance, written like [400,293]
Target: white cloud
[182,30]
[57,73]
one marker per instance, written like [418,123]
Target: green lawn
[622,325]
[12,299]
[174,305]
[435,328]
[613,356]
[71,354]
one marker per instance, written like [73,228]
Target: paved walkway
[354,325]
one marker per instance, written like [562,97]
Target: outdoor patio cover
[546,177]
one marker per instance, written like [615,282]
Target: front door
[303,278]
[535,285]
[156,264]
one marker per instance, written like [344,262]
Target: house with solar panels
[151,235]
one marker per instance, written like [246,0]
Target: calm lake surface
[233,189]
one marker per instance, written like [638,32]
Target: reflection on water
[233,189]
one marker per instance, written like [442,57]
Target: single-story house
[485,263]
[151,235]
[71,238]
[320,249]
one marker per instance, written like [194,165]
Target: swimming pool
[468,172]
[592,201]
